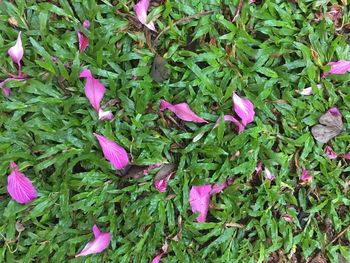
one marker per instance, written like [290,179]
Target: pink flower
[347,156]
[16,52]
[105,115]
[308,91]
[20,187]
[101,242]
[268,175]
[94,89]
[199,200]
[306,177]
[244,109]
[141,12]
[232,119]
[330,153]
[338,67]
[114,153]
[161,184]
[182,111]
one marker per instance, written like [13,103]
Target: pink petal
[114,153]
[258,167]
[330,153]
[347,156]
[105,115]
[83,41]
[86,24]
[244,109]
[19,186]
[94,89]
[157,258]
[16,52]
[233,120]
[268,175]
[338,67]
[162,184]
[308,91]
[306,177]
[217,188]
[141,12]
[287,218]
[7,92]
[98,244]
[334,111]
[199,200]
[182,111]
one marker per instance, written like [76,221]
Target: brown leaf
[159,71]
[135,171]
[12,21]
[165,171]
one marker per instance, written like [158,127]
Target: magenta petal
[105,115]
[19,186]
[182,111]
[141,12]
[244,109]
[330,153]
[268,175]
[83,41]
[338,67]
[7,92]
[100,243]
[114,153]
[162,184]
[16,52]
[347,156]
[199,200]
[235,121]
[334,111]
[94,89]
[306,177]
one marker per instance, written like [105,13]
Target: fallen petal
[338,67]
[347,156]
[83,41]
[94,89]
[287,218]
[244,109]
[7,92]
[16,52]
[157,258]
[217,188]
[268,175]
[105,115]
[334,111]
[305,177]
[86,24]
[258,167]
[114,153]
[330,153]
[98,244]
[199,200]
[20,187]
[308,91]
[161,184]
[182,111]
[232,119]
[141,12]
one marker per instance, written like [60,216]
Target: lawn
[188,131]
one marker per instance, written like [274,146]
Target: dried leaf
[159,71]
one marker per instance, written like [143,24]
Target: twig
[238,11]
[339,235]
[182,20]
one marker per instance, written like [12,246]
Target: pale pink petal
[251,2]
[83,41]
[330,153]
[162,184]
[199,200]
[268,175]
[141,12]
[287,218]
[258,167]
[114,153]
[94,89]
[308,91]
[16,52]
[338,67]
[19,186]
[244,109]
[86,24]
[105,115]
[232,119]
[98,244]
[306,177]
[182,111]
[217,188]
[347,156]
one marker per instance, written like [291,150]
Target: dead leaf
[159,71]
[165,171]
[12,21]
[135,171]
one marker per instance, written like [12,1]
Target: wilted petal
[347,156]
[98,244]
[232,119]
[287,218]
[305,177]
[338,67]
[114,153]
[86,24]
[141,12]
[16,52]
[308,91]
[19,186]
[330,153]
[217,188]
[161,184]
[105,115]
[182,111]
[268,175]
[83,41]
[199,200]
[94,89]
[244,109]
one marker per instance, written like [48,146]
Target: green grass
[272,50]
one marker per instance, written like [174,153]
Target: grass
[273,49]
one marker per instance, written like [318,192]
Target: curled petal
[16,52]
[330,153]
[244,109]
[7,92]
[161,184]
[338,67]
[94,89]
[19,186]
[98,244]
[105,115]
[141,12]
[305,177]
[182,111]
[199,200]
[232,119]
[268,175]
[114,153]
[83,41]
[308,91]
